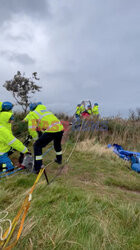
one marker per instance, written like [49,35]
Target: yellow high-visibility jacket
[42,120]
[78,111]
[7,139]
[89,111]
[4,119]
[0,106]
[95,110]
[82,108]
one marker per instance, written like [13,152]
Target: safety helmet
[95,104]
[6,106]
[32,106]
[78,105]
[89,106]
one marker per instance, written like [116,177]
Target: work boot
[58,159]
[38,170]
[58,162]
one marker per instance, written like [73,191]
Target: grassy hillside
[94,204]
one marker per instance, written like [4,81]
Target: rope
[26,204]
[23,211]
[1,229]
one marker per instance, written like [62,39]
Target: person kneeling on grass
[7,140]
[44,127]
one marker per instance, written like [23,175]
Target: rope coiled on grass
[3,219]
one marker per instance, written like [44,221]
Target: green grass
[94,204]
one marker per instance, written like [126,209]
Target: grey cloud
[34,8]
[21,37]
[21,58]
[92,53]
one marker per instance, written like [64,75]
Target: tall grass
[112,130]
[125,132]
[94,205]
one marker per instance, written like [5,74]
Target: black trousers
[42,142]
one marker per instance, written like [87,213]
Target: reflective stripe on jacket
[42,120]
[7,140]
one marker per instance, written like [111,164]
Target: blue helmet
[32,106]
[6,106]
[96,104]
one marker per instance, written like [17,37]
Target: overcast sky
[81,49]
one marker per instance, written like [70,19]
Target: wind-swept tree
[22,88]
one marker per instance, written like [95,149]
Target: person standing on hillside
[82,107]
[44,127]
[95,110]
[78,111]
[89,109]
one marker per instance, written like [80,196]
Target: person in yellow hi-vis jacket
[44,127]
[82,107]
[0,106]
[8,140]
[78,111]
[89,109]
[95,110]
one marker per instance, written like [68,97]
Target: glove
[11,151]
[21,157]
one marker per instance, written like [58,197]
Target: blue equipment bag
[6,163]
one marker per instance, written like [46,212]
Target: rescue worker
[89,109]
[0,106]
[82,107]
[95,110]
[78,111]
[76,123]
[44,127]
[7,140]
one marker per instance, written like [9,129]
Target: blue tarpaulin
[134,157]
